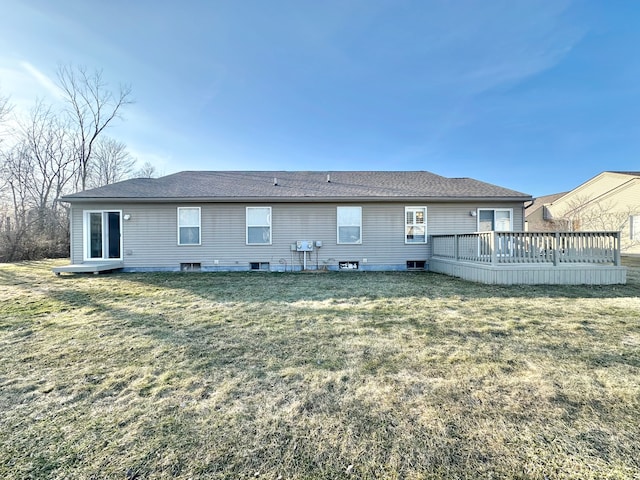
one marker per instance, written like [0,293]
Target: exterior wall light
[127,216]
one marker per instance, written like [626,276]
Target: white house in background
[610,201]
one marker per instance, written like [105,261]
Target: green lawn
[328,375]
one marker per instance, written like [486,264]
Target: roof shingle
[297,186]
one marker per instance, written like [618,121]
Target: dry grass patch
[315,376]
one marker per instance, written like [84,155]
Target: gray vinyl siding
[449,218]
[150,235]
[75,230]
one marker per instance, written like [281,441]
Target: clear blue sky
[538,96]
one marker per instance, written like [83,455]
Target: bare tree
[146,171]
[46,145]
[37,169]
[52,153]
[585,213]
[16,171]
[111,163]
[588,214]
[5,108]
[91,107]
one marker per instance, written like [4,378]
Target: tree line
[53,151]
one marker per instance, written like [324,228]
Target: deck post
[617,261]
[494,243]
[556,250]
[455,247]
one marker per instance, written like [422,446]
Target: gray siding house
[281,221]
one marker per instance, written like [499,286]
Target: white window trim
[199,225]
[359,242]
[415,208]
[269,224]
[634,228]
[86,240]
[494,210]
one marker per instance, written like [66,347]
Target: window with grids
[258,225]
[349,225]
[188,225]
[415,220]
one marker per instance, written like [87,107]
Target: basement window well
[190,267]
[415,264]
[348,265]
[260,266]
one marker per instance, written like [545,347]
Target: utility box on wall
[304,245]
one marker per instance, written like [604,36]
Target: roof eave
[306,199]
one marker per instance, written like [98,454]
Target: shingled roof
[540,202]
[632,174]
[274,186]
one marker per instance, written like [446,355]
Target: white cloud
[42,79]
[23,84]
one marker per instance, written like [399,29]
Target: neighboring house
[282,221]
[534,213]
[609,201]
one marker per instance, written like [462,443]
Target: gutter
[305,199]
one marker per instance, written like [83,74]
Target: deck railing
[529,247]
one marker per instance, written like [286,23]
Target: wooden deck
[531,274]
[530,258]
[88,267]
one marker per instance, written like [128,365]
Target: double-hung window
[415,224]
[188,225]
[258,225]
[349,225]
[634,228]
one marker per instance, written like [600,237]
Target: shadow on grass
[241,324]
[293,287]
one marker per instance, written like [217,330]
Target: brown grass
[340,375]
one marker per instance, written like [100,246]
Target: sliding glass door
[495,219]
[498,220]
[103,239]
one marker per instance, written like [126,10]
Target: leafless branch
[91,108]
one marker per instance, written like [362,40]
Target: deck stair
[88,267]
